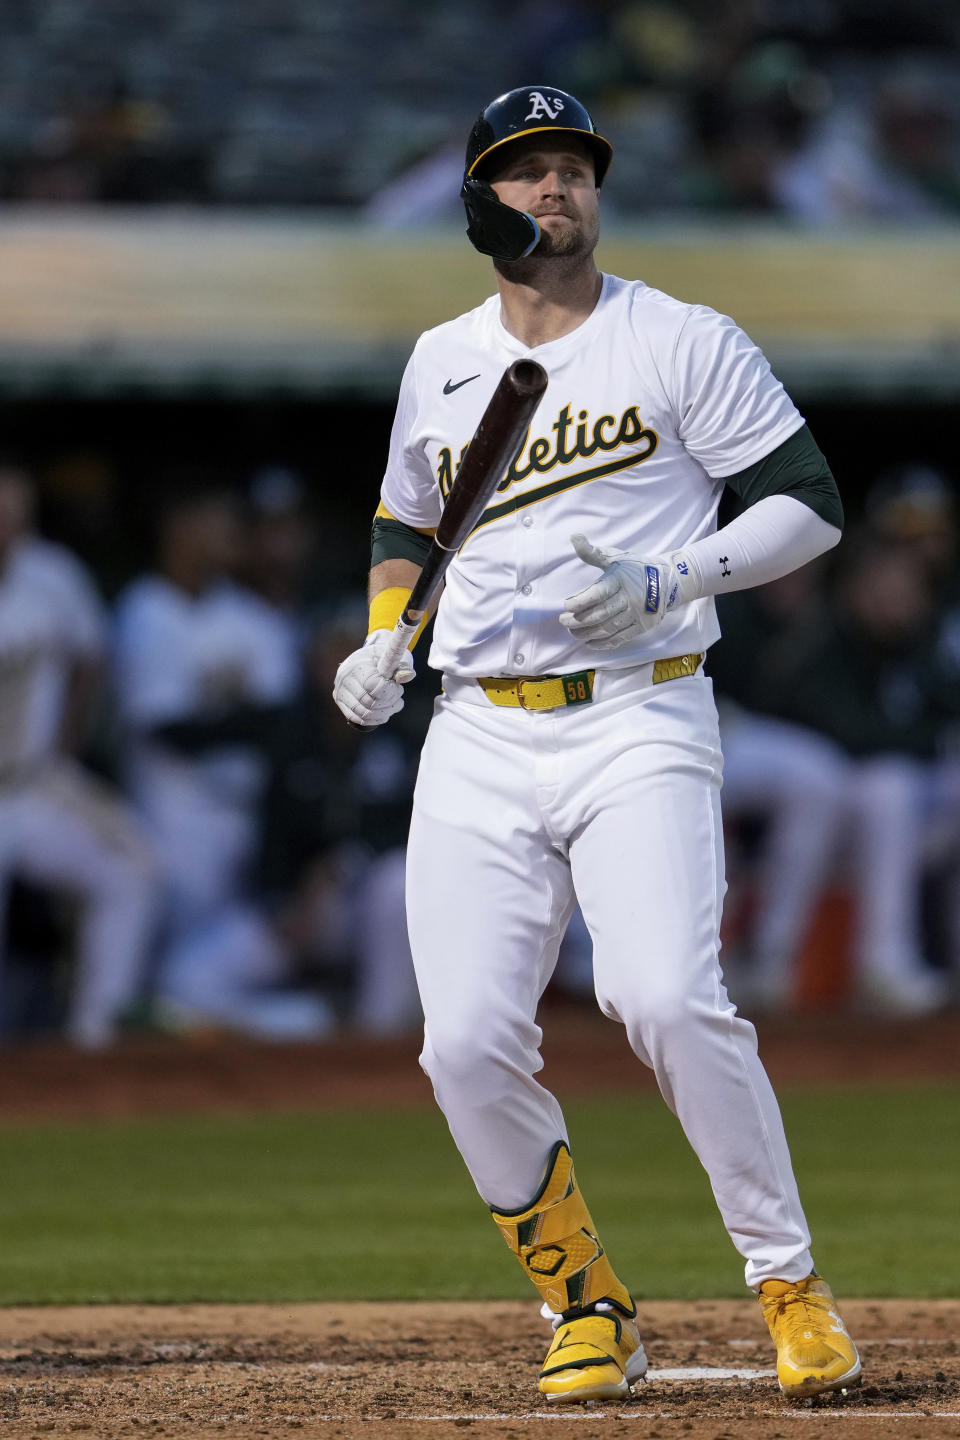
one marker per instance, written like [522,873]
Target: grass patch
[379,1205]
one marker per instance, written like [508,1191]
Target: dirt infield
[428,1371]
[583,1053]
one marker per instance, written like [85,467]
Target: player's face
[556,184]
[206,534]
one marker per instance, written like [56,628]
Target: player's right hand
[362,693]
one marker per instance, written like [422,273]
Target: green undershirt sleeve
[798,468]
[393,540]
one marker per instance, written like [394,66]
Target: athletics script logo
[575,436]
[540,105]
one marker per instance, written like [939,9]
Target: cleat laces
[800,1320]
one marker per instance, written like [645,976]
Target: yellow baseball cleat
[597,1356]
[596,1352]
[814,1351]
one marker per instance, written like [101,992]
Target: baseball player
[202,666]
[62,827]
[574,750]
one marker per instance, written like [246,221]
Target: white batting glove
[363,694]
[633,596]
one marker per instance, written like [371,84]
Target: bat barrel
[493,448]
[528,377]
[495,445]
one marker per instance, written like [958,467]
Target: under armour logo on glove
[723,561]
[632,597]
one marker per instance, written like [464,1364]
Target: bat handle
[399,642]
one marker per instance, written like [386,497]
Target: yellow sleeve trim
[387,606]
[382,513]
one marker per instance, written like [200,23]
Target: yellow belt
[549,692]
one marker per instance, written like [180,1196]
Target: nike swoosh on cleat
[449,388]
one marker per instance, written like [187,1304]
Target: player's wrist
[689,576]
[386,607]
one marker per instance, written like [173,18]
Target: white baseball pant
[64,828]
[796,781]
[871,821]
[618,802]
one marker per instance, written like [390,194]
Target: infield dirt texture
[432,1369]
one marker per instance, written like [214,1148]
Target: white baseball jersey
[614,804]
[50,616]
[651,403]
[59,826]
[180,657]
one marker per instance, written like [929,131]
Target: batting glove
[632,597]
[363,694]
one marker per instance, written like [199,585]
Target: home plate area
[417,1370]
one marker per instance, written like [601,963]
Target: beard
[571,242]
[568,242]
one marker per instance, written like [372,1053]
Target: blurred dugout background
[222,227]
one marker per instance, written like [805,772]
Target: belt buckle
[520,700]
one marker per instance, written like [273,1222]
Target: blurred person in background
[787,802]
[202,666]
[62,828]
[335,833]
[319,937]
[865,677]
[279,542]
[916,503]
[424,191]
[783,795]
[749,122]
[894,155]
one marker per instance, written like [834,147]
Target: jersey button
[527,521]
[519,658]
[526,589]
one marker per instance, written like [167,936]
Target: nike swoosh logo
[449,388]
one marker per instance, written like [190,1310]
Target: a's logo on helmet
[540,107]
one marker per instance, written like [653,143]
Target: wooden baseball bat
[494,446]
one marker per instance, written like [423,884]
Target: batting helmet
[497,229]
[528,111]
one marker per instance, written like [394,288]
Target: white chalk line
[595,1413]
[631,1411]
[864,1412]
[695,1372]
[714,1373]
[709,1372]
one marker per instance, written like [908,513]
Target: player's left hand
[633,596]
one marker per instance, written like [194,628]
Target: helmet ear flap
[494,228]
